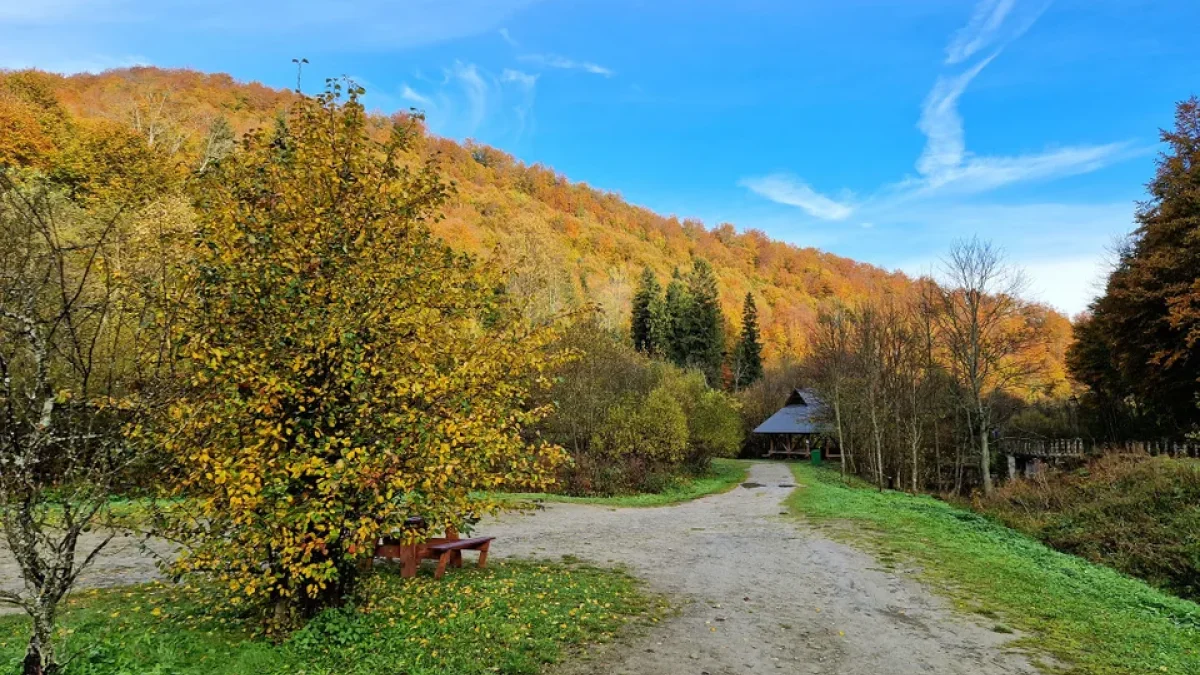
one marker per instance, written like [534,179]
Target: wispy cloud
[942,125]
[468,100]
[946,166]
[508,38]
[409,94]
[982,174]
[945,162]
[786,189]
[1062,245]
[983,27]
[524,79]
[475,89]
[564,63]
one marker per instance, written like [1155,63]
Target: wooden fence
[1067,448]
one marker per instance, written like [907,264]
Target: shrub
[714,421]
[347,369]
[653,430]
[633,424]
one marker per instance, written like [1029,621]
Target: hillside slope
[564,241]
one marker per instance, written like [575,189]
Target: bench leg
[409,562]
[441,568]
[483,555]
[456,559]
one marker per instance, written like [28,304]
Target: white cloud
[786,189]
[942,125]
[468,101]
[979,32]
[562,62]
[524,79]
[988,173]
[473,87]
[508,38]
[409,94]
[945,162]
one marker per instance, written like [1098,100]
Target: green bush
[633,424]
[653,430]
[714,420]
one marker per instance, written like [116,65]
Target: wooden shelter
[799,428]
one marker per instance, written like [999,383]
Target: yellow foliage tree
[348,370]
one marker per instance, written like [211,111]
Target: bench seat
[450,552]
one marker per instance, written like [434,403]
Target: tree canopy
[1137,351]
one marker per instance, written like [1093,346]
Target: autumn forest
[276,333]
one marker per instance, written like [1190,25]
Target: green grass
[511,618]
[723,476]
[1092,619]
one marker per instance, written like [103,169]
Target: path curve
[762,593]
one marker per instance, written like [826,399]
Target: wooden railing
[1078,447]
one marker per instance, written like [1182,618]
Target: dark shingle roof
[800,415]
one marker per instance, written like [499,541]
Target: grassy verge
[1090,618]
[724,474]
[511,618]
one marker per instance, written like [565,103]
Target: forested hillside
[563,242]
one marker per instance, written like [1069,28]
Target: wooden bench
[450,552]
[446,550]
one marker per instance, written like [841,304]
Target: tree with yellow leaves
[348,370]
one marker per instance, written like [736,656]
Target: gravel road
[761,592]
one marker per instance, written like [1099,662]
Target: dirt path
[762,593]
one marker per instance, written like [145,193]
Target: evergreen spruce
[748,365]
[703,327]
[674,320]
[647,297]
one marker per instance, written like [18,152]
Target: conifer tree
[1150,312]
[747,366]
[704,337]
[674,319]
[641,324]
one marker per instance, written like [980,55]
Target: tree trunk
[39,657]
[985,460]
[837,413]
[914,465]
[878,447]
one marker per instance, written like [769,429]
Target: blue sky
[877,129]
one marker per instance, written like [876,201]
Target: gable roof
[801,414]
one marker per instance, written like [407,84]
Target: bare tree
[831,358]
[69,392]
[979,316]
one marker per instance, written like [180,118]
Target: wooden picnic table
[447,550]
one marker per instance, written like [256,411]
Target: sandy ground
[757,591]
